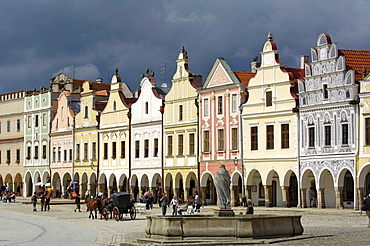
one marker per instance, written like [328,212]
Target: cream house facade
[270,122]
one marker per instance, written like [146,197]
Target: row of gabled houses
[277,130]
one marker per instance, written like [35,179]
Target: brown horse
[92,205]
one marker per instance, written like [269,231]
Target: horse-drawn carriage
[120,204]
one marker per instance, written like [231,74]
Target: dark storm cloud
[89,39]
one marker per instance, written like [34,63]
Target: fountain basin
[212,227]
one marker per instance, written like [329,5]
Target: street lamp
[243,190]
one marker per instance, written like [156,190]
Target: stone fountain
[223,224]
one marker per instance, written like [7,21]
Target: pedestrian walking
[42,201]
[164,203]
[34,201]
[175,203]
[77,202]
[366,208]
[47,201]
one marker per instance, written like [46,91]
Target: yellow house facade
[180,172]
[269,122]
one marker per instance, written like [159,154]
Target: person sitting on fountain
[249,207]
[197,207]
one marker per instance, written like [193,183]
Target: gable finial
[116,70]
[269,36]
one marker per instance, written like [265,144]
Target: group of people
[191,205]
[45,197]
[8,196]
[147,198]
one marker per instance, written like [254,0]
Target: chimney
[99,80]
[255,64]
[304,59]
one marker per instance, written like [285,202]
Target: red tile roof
[356,60]
[244,76]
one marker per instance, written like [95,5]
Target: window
[93,151]
[8,126]
[344,133]
[169,145]
[367,131]
[206,107]
[325,91]
[146,148]
[114,106]
[181,144]
[86,112]
[268,98]
[234,138]
[146,108]
[284,136]
[36,120]
[43,151]
[18,125]
[191,144]
[28,152]
[78,152]
[254,138]
[86,151]
[206,141]
[219,105]
[36,152]
[57,124]
[180,113]
[123,149]
[327,130]
[18,153]
[221,142]
[105,153]
[64,155]
[54,153]
[8,156]
[114,150]
[44,119]
[234,103]
[155,150]
[311,137]
[270,137]
[137,149]
[59,153]
[29,121]
[70,155]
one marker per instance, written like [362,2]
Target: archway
[308,181]
[208,190]
[65,184]
[29,184]
[122,186]
[18,184]
[236,189]
[179,187]
[112,187]
[9,181]
[56,185]
[273,194]
[84,185]
[169,185]
[103,187]
[325,191]
[93,184]
[191,186]
[156,184]
[255,188]
[144,184]
[134,185]
[345,192]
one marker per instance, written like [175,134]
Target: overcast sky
[88,39]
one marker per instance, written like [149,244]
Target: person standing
[164,203]
[34,201]
[47,201]
[175,203]
[159,196]
[77,202]
[310,196]
[42,201]
[366,207]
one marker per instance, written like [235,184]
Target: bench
[140,207]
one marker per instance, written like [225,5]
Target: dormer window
[180,113]
[114,106]
[146,108]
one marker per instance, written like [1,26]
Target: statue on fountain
[222,183]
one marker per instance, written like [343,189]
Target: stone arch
[333,51]
[112,184]
[207,189]
[9,181]
[273,195]
[345,189]
[340,64]
[349,78]
[313,55]
[103,186]
[18,184]
[122,183]
[29,184]
[325,190]
[45,177]
[236,189]
[308,180]
[84,181]
[255,189]
[56,184]
[93,184]
[169,185]
[179,186]
[134,184]
[290,189]
[191,184]
[323,39]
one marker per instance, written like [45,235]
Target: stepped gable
[356,60]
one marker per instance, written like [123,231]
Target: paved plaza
[62,226]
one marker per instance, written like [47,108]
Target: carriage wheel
[133,213]
[105,213]
[116,214]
